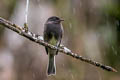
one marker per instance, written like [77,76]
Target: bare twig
[26,11]
[26,16]
[39,39]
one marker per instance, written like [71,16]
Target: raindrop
[72,76]
[117,22]
[63,65]
[74,10]
[70,25]
[80,4]
[112,48]
[115,52]
[33,75]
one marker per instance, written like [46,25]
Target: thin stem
[26,11]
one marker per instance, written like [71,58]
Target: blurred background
[91,28]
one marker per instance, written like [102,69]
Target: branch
[39,39]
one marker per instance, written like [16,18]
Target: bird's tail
[51,66]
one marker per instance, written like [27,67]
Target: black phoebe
[53,32]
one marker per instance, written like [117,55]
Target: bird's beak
[61,20]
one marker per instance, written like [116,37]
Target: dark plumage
[52,34]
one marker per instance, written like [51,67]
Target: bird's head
[55,20]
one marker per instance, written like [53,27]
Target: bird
[53,32]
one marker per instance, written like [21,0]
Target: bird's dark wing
[59,42]
[45,37]
[46,40]
[46,50]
